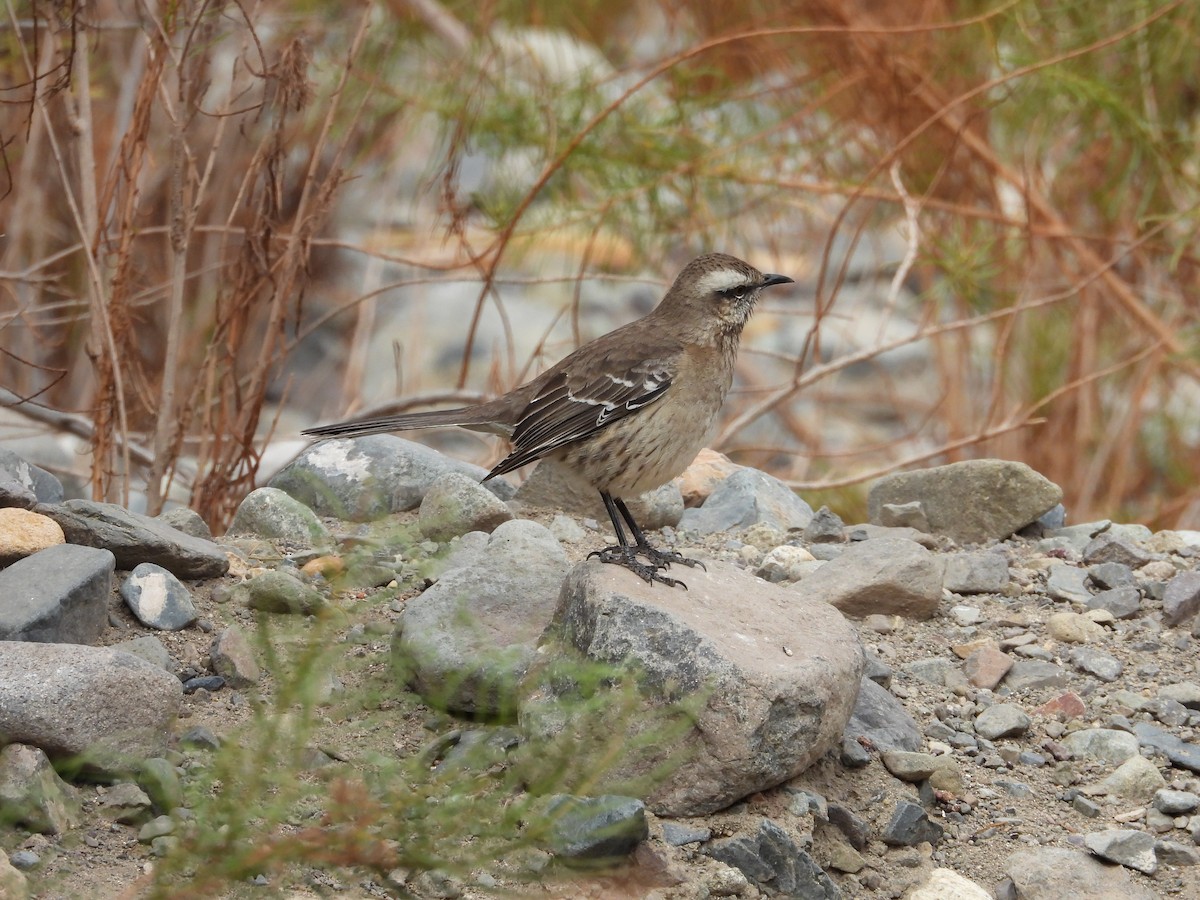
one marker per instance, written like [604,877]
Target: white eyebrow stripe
[721,280]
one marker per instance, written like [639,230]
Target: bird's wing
[569,407]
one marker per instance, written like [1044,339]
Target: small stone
[986,667]
[1181,753]
[1175,803]
[1109,575]
[699,479]
[1122,602]
[881,575]
[1130,848]
[975,573]
[159,827]
[1085,807]
[1173,853]
[881,624]
[327,566]
[1103,665]
[854,829]
[1105,745]
[1181,598]
[126,803]
[1064,707]
[1068,583]
[456,504]
[1186,693]
[1109,547]
[25,860]
[181,518]
[676,834]
[158,598]
[565,528]
[966,615]
[745,498]
[1136,779]
[1129,700]
[770,859]
[844,858]
[279,592]
[1034,673]
[594,828]
[159,779]
[233,658]
[825,528]
[908,766]
[274,515]
[909,825]
[1002,720]
[199,737]
[727,881]
[1169,712]
[23,532]
[1072,628]
[785,563]
[1058,873]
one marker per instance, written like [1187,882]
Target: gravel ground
[1018,792]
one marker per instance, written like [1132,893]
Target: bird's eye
[737,293]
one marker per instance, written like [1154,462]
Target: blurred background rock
[223,225]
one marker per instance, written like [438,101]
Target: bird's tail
[474,417]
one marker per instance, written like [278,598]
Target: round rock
[158,598]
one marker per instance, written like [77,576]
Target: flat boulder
[94,707]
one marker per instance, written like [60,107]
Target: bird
[626,412]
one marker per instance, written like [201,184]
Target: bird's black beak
[769,280]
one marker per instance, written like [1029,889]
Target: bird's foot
[662,559]
[627,557]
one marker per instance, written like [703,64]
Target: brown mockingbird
[627,412]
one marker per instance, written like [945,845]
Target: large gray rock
[134,538]
[275,515]
[972,501]
[367,478]
[57,595]
[889,576]
[466,642]
[91,706]
[1054,873]
[739,684]
[748,497]
[553,486]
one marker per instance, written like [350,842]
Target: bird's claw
[627,557]
[664,558]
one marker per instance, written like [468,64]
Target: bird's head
[717,293]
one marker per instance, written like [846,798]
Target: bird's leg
[625,555]
[660,558]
